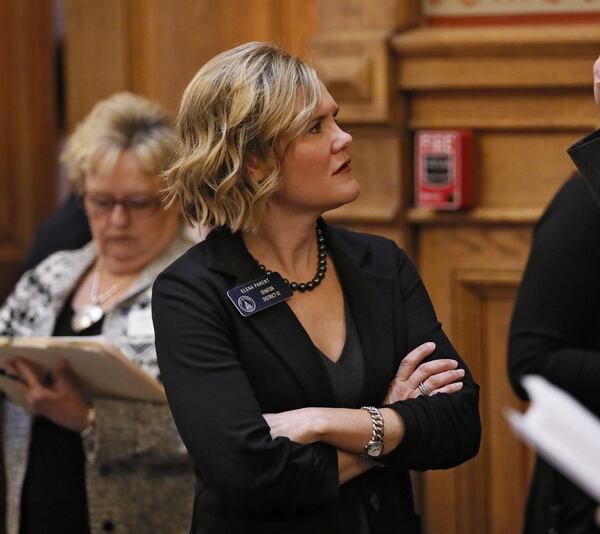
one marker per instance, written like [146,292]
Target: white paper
[564,432]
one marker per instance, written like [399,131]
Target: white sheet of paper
[563,431]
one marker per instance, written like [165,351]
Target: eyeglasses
[138,206]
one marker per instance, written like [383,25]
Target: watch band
[374,448]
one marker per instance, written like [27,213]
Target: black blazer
[555,330]
[222,371]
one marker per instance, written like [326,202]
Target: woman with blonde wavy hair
[303,363]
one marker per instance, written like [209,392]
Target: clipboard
[101,368]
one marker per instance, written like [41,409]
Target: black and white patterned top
[138,475]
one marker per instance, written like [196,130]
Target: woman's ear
[257,168]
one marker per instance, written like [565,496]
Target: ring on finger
[425,391]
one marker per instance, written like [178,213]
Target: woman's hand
[60,401]
[439,376]
[297,425]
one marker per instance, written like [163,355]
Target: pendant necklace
[91,313]
[321,267]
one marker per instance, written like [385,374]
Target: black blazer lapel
[277,326]
[370,298]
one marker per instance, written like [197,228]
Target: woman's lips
[345,167]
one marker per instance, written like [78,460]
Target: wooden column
[27,130]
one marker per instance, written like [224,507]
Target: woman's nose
[119,216]
[342,140]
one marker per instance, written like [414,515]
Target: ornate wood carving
[356,70]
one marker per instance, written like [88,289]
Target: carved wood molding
[475,217]
[499,57]
[508,41]
[352,54]
[356,70]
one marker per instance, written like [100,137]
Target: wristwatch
[374,448]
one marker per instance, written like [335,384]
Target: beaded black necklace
[321,267]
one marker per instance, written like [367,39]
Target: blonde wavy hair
[121,122]
[242,104]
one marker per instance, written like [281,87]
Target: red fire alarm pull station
[443,169]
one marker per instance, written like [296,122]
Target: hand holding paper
[564,432]
[60,400]
[102,370]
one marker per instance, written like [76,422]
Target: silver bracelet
[374,448]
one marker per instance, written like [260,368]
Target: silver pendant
[86,317]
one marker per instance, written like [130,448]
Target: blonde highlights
[241,106]
[121,122]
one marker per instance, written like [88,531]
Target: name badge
[259,294]
[139,323]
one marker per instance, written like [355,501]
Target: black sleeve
[443,430]
[217,414]
[556,312]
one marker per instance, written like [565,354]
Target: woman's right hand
[60,401]
[439,376]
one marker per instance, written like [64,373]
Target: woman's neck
[289,247]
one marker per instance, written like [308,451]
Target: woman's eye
[316,128]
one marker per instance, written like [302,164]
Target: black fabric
[347,373]
[555,333]
[54,495]
[222,371]
[66,229]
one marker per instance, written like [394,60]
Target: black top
[54,496]
[555,333]
[222,371]
[347,373]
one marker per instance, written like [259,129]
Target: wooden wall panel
[27,129]
[520,168]
[96,53]
[514,109]
[526,95]
[154,47]
[27,137]
[472,276]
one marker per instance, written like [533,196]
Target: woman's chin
[350,194]
[117,258]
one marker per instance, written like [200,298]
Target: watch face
[374,449]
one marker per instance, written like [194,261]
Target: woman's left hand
[440,376]
[60,401]
[297,425]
